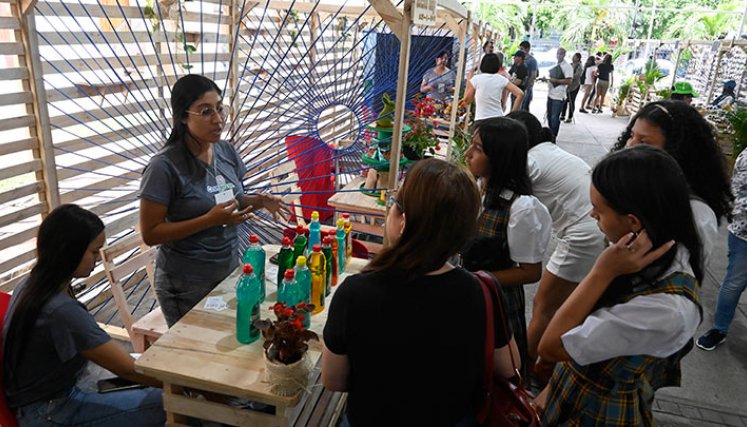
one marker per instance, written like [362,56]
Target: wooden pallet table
[200,352]
[367,216]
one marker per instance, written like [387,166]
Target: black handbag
[506,404]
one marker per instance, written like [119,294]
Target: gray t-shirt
[440,82]
[187,186]
[531,64]
[52,361]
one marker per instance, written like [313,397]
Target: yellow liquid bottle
[318,267]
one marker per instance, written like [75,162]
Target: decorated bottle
[289,291]
[255,255]
[341,253]
[317,265]
[315,230]
[303,278]
[247,306]
[335,271]
[348,235]
[299,243]
[285,259]
[327,251]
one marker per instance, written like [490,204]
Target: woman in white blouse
[486,89]
[623,331]
[514,227]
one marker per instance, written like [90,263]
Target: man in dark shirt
[532,70]
[518,73]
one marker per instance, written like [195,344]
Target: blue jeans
[554,107]
[733,285]
[527,98]
[127,408]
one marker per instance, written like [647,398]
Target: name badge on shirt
[220,182]
[223,197]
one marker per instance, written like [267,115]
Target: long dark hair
[506,142]
[64,237]
[590,62]
[647,182]
[692,143]
[533,126]
[433,192]
[185,92]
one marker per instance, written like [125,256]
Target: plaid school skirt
[576,401]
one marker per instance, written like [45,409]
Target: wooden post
[462,35]
[233,73]
[399,110]
[41,129]
[714,75]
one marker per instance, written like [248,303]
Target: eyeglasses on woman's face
[392,201]
[207,112]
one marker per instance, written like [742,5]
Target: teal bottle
[341,252]
[327,251]
[289,291]
[299,243]
[315,230]
[285,259]
[255,255]
[303,278]
[247,306]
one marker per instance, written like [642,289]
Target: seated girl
[407,335]
[49,337]
[630,320]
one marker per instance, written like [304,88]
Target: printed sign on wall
[424,12]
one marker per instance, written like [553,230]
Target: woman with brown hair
[402,295]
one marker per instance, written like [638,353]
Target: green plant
[738,121]
[624,90]
[461,141]
[420,138]
[286,338]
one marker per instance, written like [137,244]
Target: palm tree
[589,24]
[507,20]
[704,27]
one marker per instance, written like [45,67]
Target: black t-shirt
[416,350]
[520,72]
[604,70]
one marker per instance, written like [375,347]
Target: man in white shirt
[560,77]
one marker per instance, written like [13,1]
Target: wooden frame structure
[57,139]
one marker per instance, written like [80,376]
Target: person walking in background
[683,91]
[518,73]
[605,81]
[735,281]
[532,71]
[561,75]
[573,88]
[727,96]
[589,78]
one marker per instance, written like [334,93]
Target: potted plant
[286,348]
[420,139]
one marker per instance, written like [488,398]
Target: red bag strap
[488,285]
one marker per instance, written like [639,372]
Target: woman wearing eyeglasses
[413,297]
[192,200]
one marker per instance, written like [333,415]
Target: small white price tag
[216,303]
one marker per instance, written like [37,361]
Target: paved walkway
[714,384]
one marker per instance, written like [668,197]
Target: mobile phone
[107,385]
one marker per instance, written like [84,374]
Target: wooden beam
[462,35]
[41,128]
[454,8]
[450,22]
[393,18]
[401,98]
